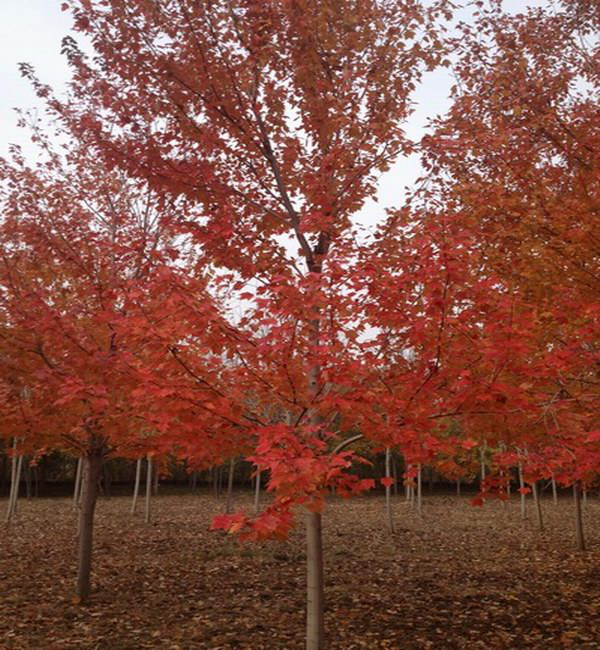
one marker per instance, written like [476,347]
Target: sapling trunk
[15,497]
[457,487]
[482,458]
[554,491]
[13,476]
[215,482]
[388,492]
[229,501]
[28,478]
[77,486]
[419,491]
[136,485]
[106,479]
[148,487]
[315,596]
[538,504]
[523,495]
[91,473]
[395,475]
[220,481]
[155,477]
[257,491]
[580,540]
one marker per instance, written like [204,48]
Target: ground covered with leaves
[457,577]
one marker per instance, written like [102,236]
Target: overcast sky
[32,30]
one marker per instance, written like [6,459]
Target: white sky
[31,31]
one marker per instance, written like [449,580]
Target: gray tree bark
[136,485]
[91,473]
[580,540]
[148,487]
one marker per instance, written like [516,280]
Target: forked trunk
[136,485]
[315,596]
[578,518]
[91,473]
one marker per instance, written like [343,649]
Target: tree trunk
[215,482]
[578,518]
[148,487]
[155,482]
[538,505]
[106,479]
[3,460]
[136,485]
[28,478]
[220,482]
[91,473]
[482,458]
[13,475]
[523,495]
[257,491]
[17,484]
[395,475]
[457,487]
[420,491]
[77,486]
[229,501]
[388,492]
[554,491]
[315,596]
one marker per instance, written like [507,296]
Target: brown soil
[459,577]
